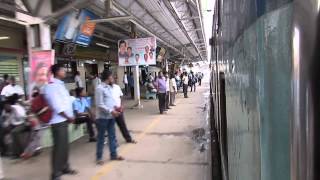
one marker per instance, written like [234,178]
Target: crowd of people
[53,106]
[167,86]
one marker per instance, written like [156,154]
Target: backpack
[41,108]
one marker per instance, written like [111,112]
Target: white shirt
[78,80]
[105,101]
[15,117]
[96,82]
[185,80]
[167,85]
[59,100]
[116,94]
[9,90]
[173,85]
[125,79]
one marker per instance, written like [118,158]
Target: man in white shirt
[12,88]
[120,120]
[106,112]
[77,79]
[59,100]
[185,81]
[173,89]
[167,90]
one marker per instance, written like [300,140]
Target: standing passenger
[167,91]
[78,80]
[117,95]
[131,84]
[161,89]
[173,90]
[59,100]
[125,82]
[185,82]
[106,114]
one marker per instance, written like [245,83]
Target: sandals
[132,141]
[118,158]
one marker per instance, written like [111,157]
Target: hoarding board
[133,52]
[40,63]
[74,27]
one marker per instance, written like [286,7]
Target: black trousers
[162,102]
[19,134]
[89,123]
[167,99]
[123,127]
[185,90]
[3,146]
[60,150]
[132,92]
[200,82]
[193,86]
[125,89]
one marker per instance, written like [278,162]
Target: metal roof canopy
[177,24]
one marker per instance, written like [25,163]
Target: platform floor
[166,149]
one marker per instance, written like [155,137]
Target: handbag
[41,108]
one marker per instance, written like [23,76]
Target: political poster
[40,63]
[75,27]
[140,51]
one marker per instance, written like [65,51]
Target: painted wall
[258,87]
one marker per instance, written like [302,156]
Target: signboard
[40,64]
[74,27]
[133,52]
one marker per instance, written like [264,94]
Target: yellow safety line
[108,167]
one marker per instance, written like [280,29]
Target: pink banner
[40,64]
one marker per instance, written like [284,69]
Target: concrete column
[45,37]
[120,75]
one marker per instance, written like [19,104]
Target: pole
[136,73]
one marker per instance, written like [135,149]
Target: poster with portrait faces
[40,63]
[141,51]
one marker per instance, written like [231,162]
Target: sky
[207,20]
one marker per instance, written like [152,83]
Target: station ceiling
[177,24]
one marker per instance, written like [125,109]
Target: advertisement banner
[40,64]
[141,51]
[74,27]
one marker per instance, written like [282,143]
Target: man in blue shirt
[60,102]
[106,106]
[83,113]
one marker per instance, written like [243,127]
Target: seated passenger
[14,116]
[34,141]
[83,113]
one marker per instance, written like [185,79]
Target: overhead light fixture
[102,45]
[4,37]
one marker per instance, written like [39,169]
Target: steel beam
[110,19]
[162,26]
[190,18]
[175,15]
